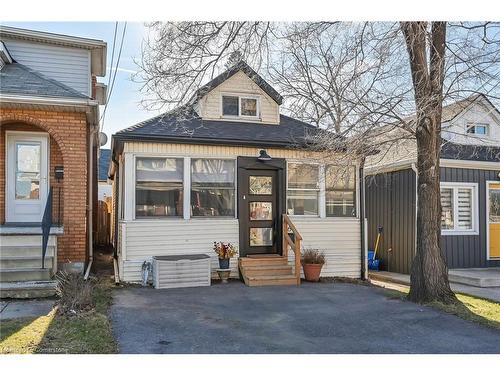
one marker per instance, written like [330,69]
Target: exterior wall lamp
[263,156]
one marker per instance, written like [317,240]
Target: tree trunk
[429,274]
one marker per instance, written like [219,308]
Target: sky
[124,107]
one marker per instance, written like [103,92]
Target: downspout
[414,168]
[90,191]
[362,218]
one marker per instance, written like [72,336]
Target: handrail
[294,244]
[46,225]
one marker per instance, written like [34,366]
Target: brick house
[49,116]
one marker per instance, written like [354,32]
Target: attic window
[239,106]
[478,129]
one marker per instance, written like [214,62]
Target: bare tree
[358,81]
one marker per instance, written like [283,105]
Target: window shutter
[465,208]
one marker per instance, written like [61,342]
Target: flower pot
[224,263]
[312,271]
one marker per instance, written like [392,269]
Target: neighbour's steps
[28,289]
[24,274]
[267,270]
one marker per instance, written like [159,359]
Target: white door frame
[11,135]
[488,183]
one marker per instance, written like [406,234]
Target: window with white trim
[478,129]
[340,196]
[458,208]
[302,189]
[158,187]
[240,106]
[212,187]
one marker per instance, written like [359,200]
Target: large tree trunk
[429,274]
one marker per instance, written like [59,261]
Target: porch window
[302,189]
[212,187]
[158,187]
[458,208]
[340,194]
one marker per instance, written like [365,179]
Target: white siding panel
[147,238]
[67,65]
[339,239]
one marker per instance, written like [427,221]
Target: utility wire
[114,75]
[110,73]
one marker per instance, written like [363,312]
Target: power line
[114,76]
[110,72]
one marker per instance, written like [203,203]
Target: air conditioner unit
[181,271]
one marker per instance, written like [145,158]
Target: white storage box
[180,271]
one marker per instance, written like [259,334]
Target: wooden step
[263,261]
[271,280]
[271,270]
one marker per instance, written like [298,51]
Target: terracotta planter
[312,271]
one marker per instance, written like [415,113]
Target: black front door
[260,205]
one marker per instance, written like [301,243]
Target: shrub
[75,293]
[312,256]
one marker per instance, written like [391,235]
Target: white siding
[144,239]
[67,65]
[339,239]
[239,83]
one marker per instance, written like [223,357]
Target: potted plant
[224,251]
[312,262]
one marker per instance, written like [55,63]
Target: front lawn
[87,332]
[471,308]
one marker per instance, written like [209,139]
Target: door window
[261,236]
[494,212]
[260,185]
[28,170]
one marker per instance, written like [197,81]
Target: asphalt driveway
[312,318]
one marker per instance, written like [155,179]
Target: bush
[75,293]
[312,256]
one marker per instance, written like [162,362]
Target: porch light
[264,156]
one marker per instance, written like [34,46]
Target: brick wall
[68,147]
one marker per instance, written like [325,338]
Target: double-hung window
[212,187]
[240,106]
[158,187]
[458,208]
[302,189]
[340,194]
[478,129]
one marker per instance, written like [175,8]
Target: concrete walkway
[312,318]
[492,293]
[25,309]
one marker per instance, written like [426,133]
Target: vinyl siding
[239,84]
[67,65]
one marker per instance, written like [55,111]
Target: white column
[322,192]
[129,186]
[186,204]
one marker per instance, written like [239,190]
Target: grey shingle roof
[190,128]
[104,159]
[470,152]
[18,79]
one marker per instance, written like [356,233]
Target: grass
[89,332]
[474,309]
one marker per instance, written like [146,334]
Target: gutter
[363,272]
[40,100]
[90,210]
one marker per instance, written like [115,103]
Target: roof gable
[250,73]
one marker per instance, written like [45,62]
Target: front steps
[21,275]
[267,270]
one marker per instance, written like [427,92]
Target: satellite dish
[103,139]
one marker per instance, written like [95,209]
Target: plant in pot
[225,251]
[312,262]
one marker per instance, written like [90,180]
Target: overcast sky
[124,108]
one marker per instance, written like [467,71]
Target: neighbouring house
[229,167]
[470,191]
[49,114]
[104,191]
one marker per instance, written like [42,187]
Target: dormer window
[478,129]
[240,106]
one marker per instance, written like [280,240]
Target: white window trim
[240,116]
[129,185]
[321,192]
[474,124]
[475,209]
